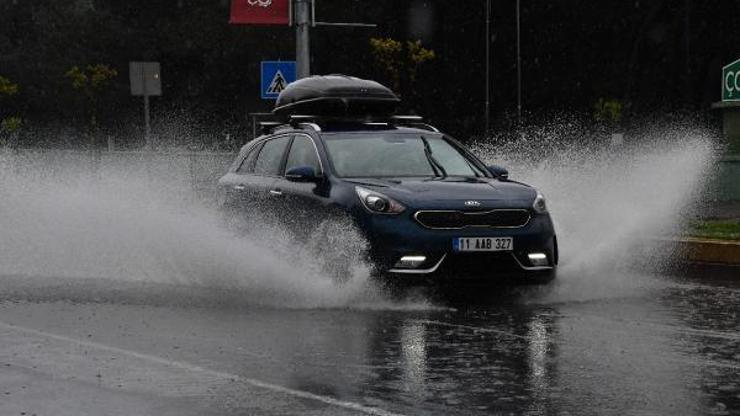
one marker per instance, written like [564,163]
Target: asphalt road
[649,345]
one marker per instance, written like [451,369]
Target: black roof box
[336,96]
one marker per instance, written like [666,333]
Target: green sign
[731,82]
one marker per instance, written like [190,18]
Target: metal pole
[488,66]
[302,45]
[687,41]
[147,126]
[687,34]
[518,65]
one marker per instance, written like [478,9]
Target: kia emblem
[472,203]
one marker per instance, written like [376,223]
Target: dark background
[656,57]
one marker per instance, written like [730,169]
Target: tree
[91,81]
[400,61]
[9,124]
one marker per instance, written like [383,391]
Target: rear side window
[303,153]
[247,165]
[271,156]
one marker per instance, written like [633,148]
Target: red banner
[260,12]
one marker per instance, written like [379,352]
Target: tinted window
[270,157]
[387,154]
[303,153]
[247,165]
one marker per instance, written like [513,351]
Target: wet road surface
[88,348]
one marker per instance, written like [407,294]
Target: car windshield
[396,155]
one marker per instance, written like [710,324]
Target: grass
[718,230]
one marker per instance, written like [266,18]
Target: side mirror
[499,172]
[302,174]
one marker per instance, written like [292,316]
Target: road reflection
[707,335]
[414,352]
[476,361]
[672,348]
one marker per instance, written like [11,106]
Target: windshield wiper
[436,166]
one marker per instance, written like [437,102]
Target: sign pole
[147,123]
[302,38]
[145,82]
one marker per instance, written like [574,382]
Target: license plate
[483,244]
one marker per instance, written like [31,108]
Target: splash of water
[65,215]
[608,202]
[70,221]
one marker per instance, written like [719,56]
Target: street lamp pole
[302,38]
[518,65]
[488,66]
[305,19]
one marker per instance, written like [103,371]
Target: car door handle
[275,192]
[239,187]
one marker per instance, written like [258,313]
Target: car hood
[453,192]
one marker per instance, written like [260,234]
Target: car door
[250,189]
[304,204]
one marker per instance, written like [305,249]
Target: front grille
[498,218]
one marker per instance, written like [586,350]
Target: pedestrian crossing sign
[276,75]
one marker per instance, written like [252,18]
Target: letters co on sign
[731,82]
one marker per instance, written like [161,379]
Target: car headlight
[539,205]
[377,202]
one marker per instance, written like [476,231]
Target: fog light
[538,259]
[410,262]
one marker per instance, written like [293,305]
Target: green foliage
[11,125]
[91,82]
[417,56]
[387,55]
[7,87]
[608,111]
[719,230]
[386,51]
[397,59]
[417,53]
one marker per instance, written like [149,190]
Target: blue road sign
[275,76]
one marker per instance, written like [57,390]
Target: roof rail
[314,121]
[413,121]
[314,126]
[299,120]
[302,117]
[413,118]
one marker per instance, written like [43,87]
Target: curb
[699,250]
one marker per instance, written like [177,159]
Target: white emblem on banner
[261,3]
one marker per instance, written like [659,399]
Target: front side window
[303,153]
[271,156]
[247,165]
[396,155]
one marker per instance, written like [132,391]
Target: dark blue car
[427,206]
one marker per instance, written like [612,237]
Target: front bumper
[392,237]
